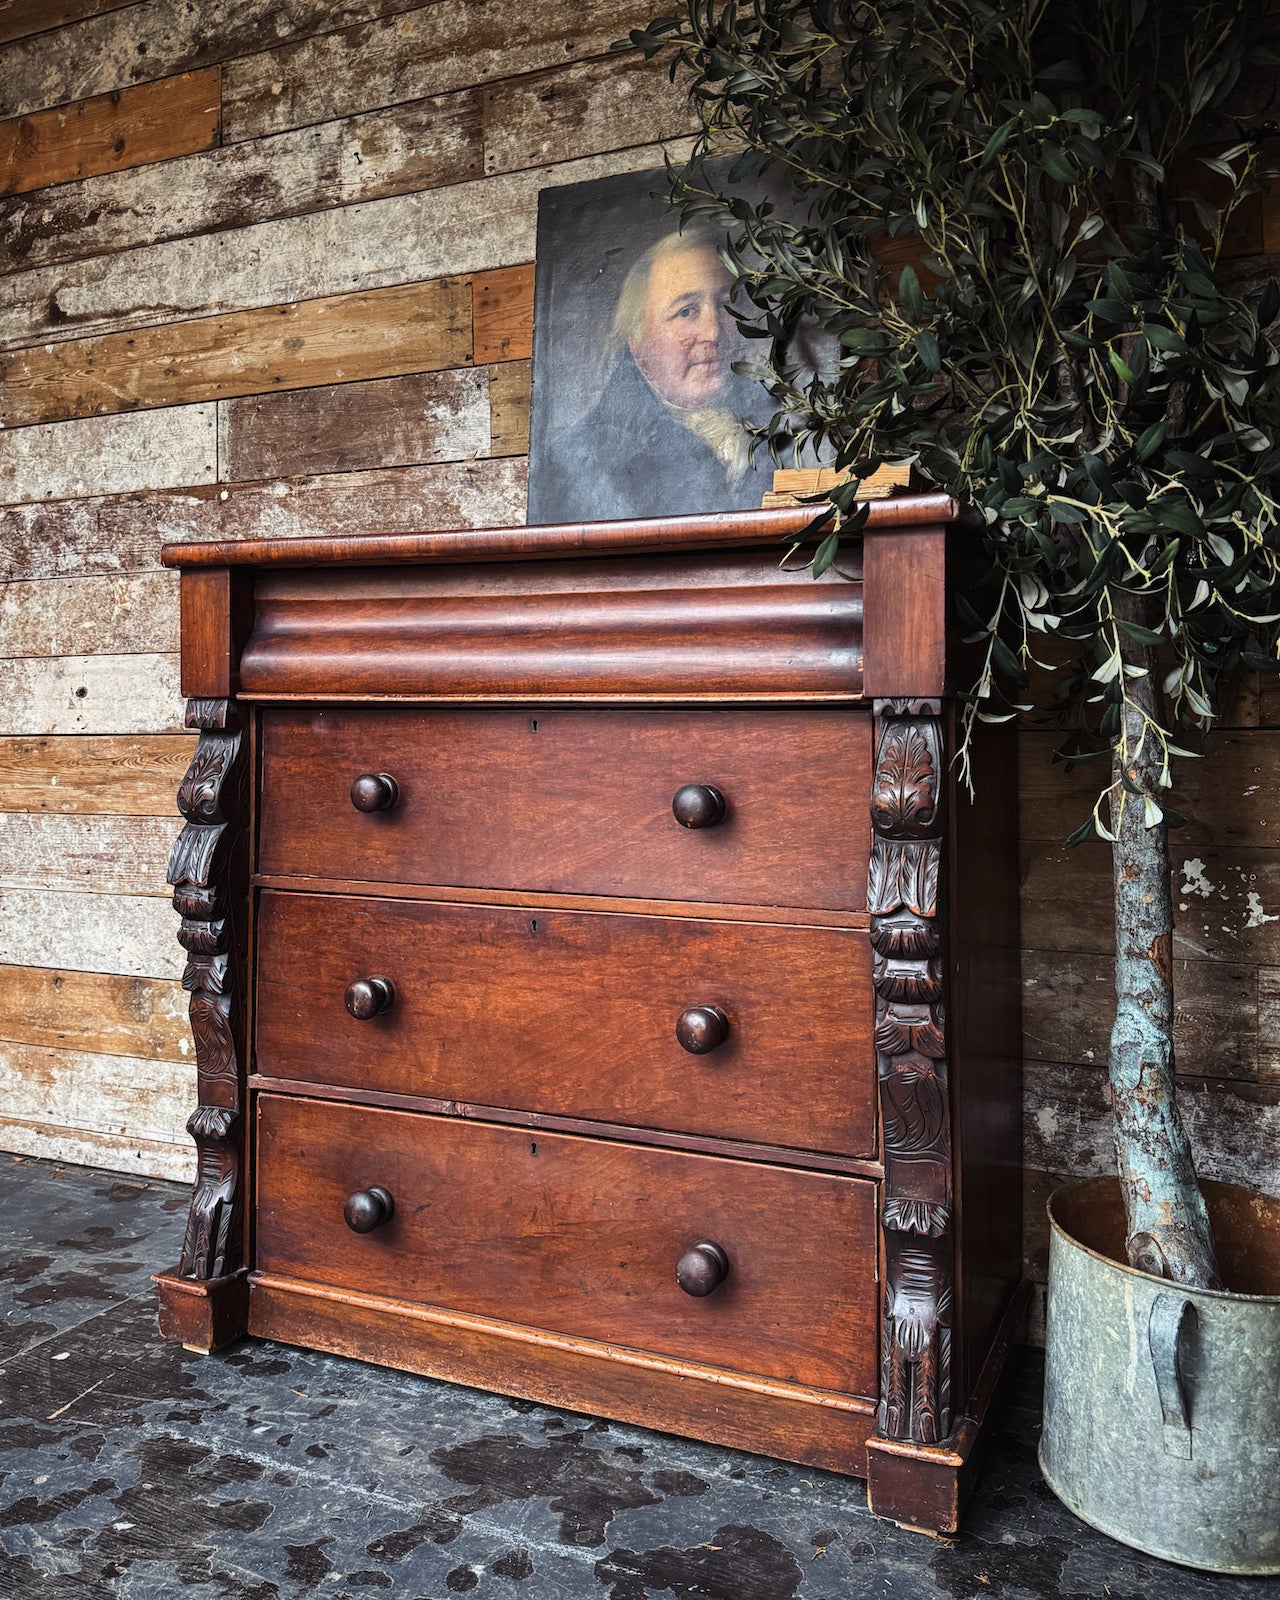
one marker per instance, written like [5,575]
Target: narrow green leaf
[909,292]
[1150,440]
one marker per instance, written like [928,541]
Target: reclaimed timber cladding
[266,271]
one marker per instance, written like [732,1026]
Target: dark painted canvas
[636,410]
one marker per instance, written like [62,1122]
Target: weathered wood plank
[1234,1127]
[152,122]
[1227,797]
[595,106]
[1269,1024]
[106,455]
[90,694]
[154,40]
[1226,902]
[86,1147]
[99,855]
[1068,1004]
[448,45]
[410,327]
[502,314]
[466,228]
[117,616]
[420,146]
[18,18]
[392,422]
[99,1093]
[130,775]
[95,1012]
[509,408]
[132,935]
[125,532]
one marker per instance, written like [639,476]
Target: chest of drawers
[602,989]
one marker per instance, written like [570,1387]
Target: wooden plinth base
[924,1487]
[787,1420]
[205,1315]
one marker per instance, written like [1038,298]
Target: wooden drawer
[575,801]
[577,1236]
[575,1013]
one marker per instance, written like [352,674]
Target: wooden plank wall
[266,269]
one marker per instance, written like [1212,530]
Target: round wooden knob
[368,1209]
[369,997]
[702,1028]
[698,805]
[703,1269]
[374,791]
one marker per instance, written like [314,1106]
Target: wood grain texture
[104,455]
[94,1013]
[18,18]
[1226,797]
[786,1420]
[99,855]
[1269,1025]
[411,327]
[704,534]
[448,45]
[1068,1001]
[1226,902]
[90,694]
[509,409]
[502,314]
[133,775]
[391,422]
[1234,1127]
[418,146]
[124,533]
[577,1236]
[126,934]
[152,122]
[111,1094]
[579,804]
[595,106]
[466,228]
[526,636]
[120,616]
[539,1011]
[90,1147]
[106,52]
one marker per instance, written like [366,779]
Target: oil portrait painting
[636,408]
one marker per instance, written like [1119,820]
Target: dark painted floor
[132,1469]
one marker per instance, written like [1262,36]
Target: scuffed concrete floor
[131,1469]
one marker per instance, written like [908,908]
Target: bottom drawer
[577,1236]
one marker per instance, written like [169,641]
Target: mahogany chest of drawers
[603,989]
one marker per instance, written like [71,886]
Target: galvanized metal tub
[1162,1404]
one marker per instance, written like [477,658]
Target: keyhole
[533,724]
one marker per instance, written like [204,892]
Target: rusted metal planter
[1162,1404]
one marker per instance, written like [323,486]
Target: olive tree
[1011,227]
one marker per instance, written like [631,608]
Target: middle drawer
[577,1013]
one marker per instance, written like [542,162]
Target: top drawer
[575,802]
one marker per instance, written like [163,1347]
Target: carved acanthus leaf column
[911,1060]
[208,870]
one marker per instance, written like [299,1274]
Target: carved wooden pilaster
[208,871]
[911,1060]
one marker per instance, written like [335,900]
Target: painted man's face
[686,338]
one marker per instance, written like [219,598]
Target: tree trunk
[1168,1230]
